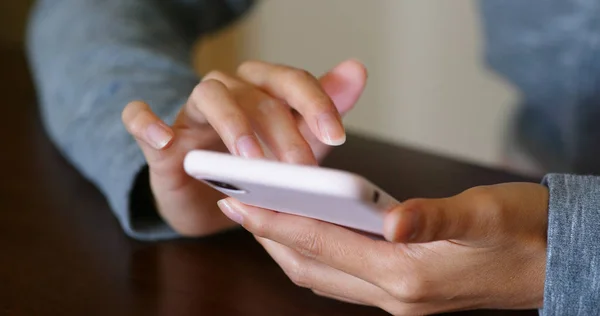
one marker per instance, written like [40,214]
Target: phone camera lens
[225,186]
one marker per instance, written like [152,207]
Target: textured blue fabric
[549,50]
[90,58]
[573,265]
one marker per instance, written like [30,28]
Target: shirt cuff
[572,284]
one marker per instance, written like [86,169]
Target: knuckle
[268,106]
[297,153]
[202,89]
[297,273]
[234,123]
[410,290]
[482,195]
[488,202]
[247,67]
[487,205]
[308,245]
[215,75]
[322,103]
[294,75]
[207,92]
[240,122]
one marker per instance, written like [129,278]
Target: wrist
[192,209]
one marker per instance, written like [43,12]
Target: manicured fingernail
[248,147]
[332,131]
[401,225]
[158,135]
[230,211]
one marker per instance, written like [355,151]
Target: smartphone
[329,195]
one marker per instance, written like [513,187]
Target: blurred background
[428,87]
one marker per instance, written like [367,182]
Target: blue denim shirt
[90,58]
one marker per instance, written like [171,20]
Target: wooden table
[63,253]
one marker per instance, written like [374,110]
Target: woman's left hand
[484,248]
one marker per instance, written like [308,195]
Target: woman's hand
[484,248]
[296,115]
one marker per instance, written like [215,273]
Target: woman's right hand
[296,116]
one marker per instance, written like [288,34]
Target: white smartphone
[329,195]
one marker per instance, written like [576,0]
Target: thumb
[428,220]
[151,133]
[344,84]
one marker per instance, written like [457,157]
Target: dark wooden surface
[63,253]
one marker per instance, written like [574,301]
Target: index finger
[332,245]
[301,91]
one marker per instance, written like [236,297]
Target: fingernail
[401,225]
[389,226]
[230,211]
[248,147]
[331,129]
[158,135]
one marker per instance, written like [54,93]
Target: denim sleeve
[89,58]
[573,264]
[549,50]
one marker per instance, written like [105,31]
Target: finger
[476,216]
[422,220]
[471,215]
[301,91]
[330,282]
[332,245]
[322,278]
[151,133]
[214,101]
[344,84]
[270,119]
[277,128]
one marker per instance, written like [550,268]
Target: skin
[483,248]
[226,112]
